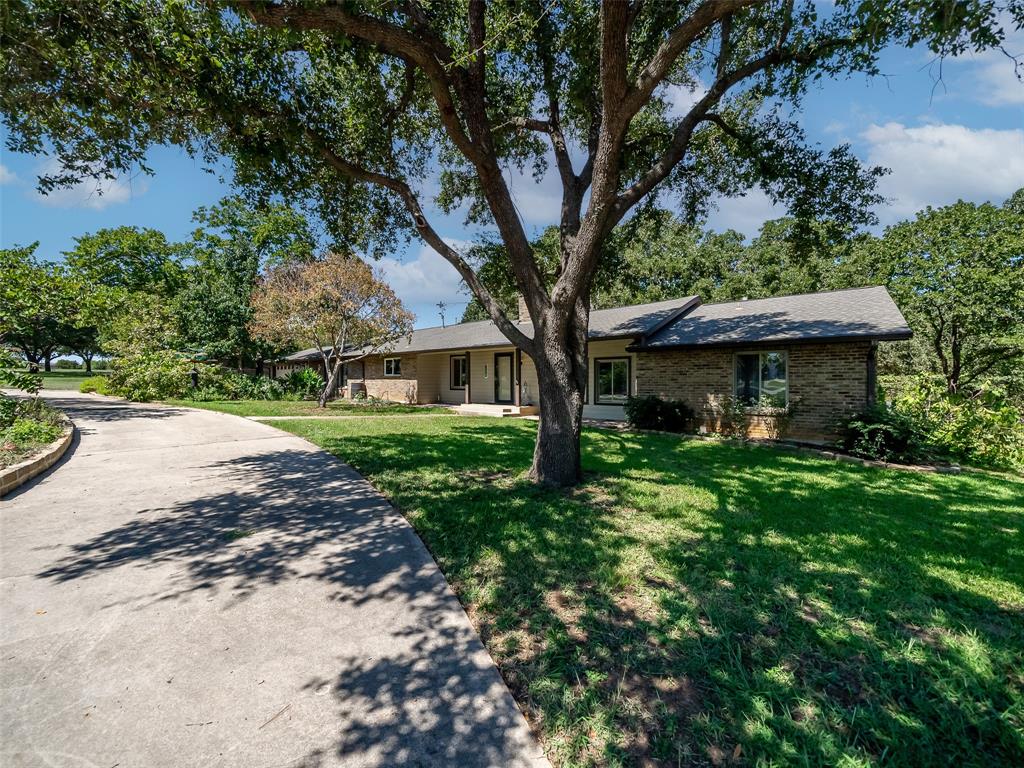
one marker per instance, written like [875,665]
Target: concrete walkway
[188,588]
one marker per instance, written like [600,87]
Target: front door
[503,377]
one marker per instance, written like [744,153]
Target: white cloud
[992,77]
[89,193]
[1000,86]
[682,98]
[7,176]
[423,281]
[938,164]
[745,214]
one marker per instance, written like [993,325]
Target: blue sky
[962,137]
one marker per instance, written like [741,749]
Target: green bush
[883,434]
[8,410]
[980,427]
[224,384]
[30,432]
[925,423]
[97,384]
[304,384]
[652,412]
[65,364]
[150,375]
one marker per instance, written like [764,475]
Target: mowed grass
[67,379]
[700,603]
[309,408]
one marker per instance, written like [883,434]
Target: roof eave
[891,336]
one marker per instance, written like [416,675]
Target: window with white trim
[761,380]
[611,380]
[392,366]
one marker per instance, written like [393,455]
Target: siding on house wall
[602,349]
[400,389]
[826,382]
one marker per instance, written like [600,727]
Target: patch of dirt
[932,637]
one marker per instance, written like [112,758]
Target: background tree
[957,272]
[350,109]
[337,304]
[37,306]
[233,243]
[128,259]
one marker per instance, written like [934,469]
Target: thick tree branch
[388,38]
[706,15]
[428,233]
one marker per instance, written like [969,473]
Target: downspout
[872,375]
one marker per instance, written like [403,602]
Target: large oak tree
[355,108]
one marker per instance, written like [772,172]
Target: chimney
[524,313]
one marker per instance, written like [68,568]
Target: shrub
[882,434]
[733,420]
[65,364]
[924,422]
[97,384]
[8,409]
[150,375]
[304,384]
[980,427]
[652,412]
[29,432]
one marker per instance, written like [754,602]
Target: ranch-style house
[810,356]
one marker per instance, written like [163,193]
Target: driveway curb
[21,473]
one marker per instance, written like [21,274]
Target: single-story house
[811,355]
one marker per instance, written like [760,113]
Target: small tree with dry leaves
[337,305]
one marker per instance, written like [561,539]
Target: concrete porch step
[496,409]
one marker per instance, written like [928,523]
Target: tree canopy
[335,304]
[355,109]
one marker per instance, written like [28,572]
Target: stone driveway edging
[21,473]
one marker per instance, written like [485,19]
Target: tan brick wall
[399,389]
[826,381]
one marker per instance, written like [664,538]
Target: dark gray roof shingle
[852,313]
[619,322]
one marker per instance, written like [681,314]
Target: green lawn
[308,408]
[699,603]
[66,379]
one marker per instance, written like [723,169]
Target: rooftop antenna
[441,306]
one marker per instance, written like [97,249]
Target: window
[458,372]
[611,381]
[761,379]
[392,366]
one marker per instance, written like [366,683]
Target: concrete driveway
[188,588]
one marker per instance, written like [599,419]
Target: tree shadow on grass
[698,603]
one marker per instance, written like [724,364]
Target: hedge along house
[809,359]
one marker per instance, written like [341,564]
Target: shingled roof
[617,323]
[854,313]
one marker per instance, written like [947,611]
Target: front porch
[494,382]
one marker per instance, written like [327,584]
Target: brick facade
[400,389]
[826,382]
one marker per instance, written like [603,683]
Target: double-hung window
[761,380]
[392,366]
[458,372]
[611,381]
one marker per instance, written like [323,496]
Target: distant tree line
[125,287]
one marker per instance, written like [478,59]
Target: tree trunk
[560,377]
[332,384]
[88,363]
[46,363]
